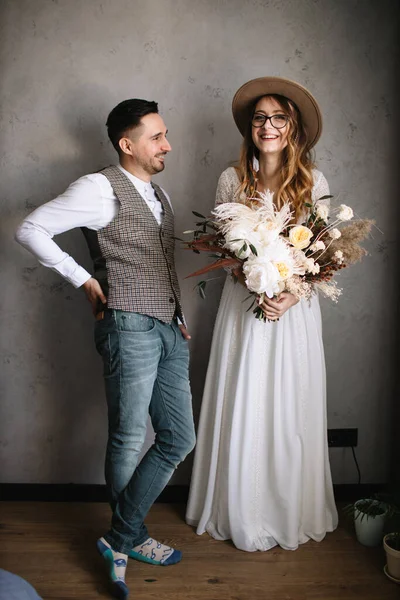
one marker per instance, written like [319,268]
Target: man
[129,227]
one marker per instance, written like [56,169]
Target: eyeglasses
[277,121]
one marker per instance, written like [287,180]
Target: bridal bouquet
[261,245]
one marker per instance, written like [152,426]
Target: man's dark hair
[127,115]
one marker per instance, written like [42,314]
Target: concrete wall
[65,64]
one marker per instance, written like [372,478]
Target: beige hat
[245,97]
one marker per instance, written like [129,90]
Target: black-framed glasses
[277,121]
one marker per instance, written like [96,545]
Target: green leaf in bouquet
[253,249]
[201,285]
[252,303]
[243,248]
[325,197]
[308,204]
[196,214]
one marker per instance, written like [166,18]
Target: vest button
[171,300]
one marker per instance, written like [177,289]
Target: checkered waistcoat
[134,262]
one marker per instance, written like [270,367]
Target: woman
[261,474]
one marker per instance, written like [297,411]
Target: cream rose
[300,237]
[345,213]
[284,269]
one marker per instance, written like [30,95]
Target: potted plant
[391,544]
[369,520]
[369,516]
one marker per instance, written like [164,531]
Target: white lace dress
[261,473]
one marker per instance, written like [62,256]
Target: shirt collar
[139,184]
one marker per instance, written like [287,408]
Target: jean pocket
[135,323]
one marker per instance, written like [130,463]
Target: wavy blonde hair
[297,180]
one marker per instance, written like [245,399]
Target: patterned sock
[116,563]
[155,553]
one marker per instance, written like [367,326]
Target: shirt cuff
[72,272]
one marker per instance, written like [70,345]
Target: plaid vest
[133,256]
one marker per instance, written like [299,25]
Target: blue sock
[116,564]
[155,553]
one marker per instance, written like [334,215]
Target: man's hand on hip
[94,293]
[185,332]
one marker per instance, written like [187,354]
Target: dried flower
[338,256]
[334,233]
[318,246]
[312,266]
[322,211]
[345,213]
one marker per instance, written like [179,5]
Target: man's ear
[126,145]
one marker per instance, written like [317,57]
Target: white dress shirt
[88,202]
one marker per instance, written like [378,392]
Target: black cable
[358,468]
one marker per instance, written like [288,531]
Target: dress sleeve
[227,186]
[321,188]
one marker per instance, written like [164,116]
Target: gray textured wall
[65,64]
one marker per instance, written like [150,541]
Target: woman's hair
[297,180]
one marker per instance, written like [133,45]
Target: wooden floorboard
[52,545]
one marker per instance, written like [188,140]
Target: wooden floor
[52,546]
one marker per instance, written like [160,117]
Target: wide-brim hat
[246,96]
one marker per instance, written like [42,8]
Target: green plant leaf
[196,214]
[253,249]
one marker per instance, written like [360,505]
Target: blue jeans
[146,364]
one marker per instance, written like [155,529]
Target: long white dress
[261,474]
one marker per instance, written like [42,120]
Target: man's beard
[154,167]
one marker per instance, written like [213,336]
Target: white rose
[235,240]
[267,232]
[318,246]
[300,237]
[334,233]
[345,213]
[261,276]
[322,211]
